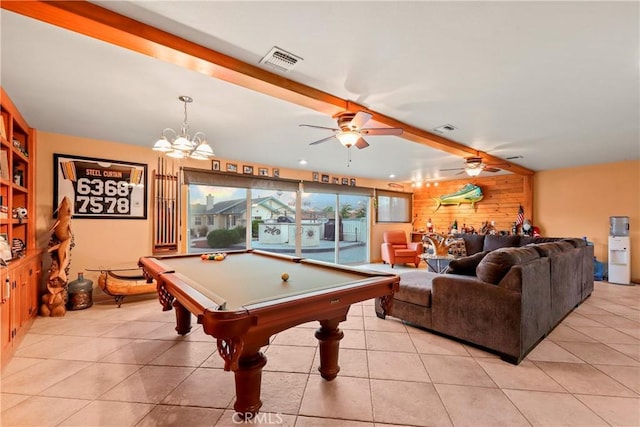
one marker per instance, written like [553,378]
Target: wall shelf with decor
[20,279]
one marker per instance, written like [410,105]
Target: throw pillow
[458,248]
[466,266]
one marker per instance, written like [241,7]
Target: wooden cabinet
[20,280]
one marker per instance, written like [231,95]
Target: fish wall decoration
[468,194]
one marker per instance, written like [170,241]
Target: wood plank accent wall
[503,194]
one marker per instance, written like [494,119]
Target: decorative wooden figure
[440,242]
[60,245]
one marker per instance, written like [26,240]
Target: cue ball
[285,277]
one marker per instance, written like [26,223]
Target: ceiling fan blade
[320,127]
[359,120]
[320,141]
[361,143]
[491,170]
[460,173]
[381,131]
[454,169]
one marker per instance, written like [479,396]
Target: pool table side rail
[276,315]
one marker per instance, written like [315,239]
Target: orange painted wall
[579,201]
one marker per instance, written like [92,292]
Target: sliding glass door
[354,215]
[309,219]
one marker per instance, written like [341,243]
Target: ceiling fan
[474,166]
[350,129]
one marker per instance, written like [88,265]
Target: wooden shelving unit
[20,280]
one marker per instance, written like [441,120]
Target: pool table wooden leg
[329,337]
[183,318]
[248,384]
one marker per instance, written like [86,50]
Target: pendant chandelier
[181,145]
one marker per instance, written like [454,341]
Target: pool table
[242,301]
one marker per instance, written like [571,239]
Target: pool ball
[285,277]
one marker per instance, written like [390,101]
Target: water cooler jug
[619,250]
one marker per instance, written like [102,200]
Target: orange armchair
[396,249]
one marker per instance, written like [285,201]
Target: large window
[221,230]
[393,206]
[320,221]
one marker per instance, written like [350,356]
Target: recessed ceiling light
[392,175]
[445,128]
[302,162]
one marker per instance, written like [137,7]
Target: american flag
[520,217]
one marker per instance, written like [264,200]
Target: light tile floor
[108,366]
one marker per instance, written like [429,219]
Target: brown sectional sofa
[505,296]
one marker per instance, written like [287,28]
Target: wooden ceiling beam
[102,24]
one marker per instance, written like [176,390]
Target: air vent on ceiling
[280,59]
[445,128]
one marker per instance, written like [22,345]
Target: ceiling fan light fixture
[182,145]
[473,171]
[348,138]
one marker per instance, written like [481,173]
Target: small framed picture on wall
[345,181]
[247,170]
[276,173]
[325,178]
[215,165]
[263,171]
[232,167]
[316,176]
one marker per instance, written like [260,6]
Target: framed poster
[100,188]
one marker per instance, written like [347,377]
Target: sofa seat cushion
[494,241]
[496,264]
[415,288]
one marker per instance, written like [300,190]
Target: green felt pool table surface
[252,277]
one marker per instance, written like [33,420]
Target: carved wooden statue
[60,245]
[440,242]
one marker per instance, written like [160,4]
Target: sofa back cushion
[494,241]
[550,248]
[576,242]
[496,264]
[466,266]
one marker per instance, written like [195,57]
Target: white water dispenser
[619,250]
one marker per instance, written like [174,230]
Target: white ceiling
[554,82]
